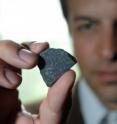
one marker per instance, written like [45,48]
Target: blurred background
[34,20]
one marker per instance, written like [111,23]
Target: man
[92,25]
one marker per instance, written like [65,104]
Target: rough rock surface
[53,63]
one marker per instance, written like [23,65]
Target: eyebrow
[84,18]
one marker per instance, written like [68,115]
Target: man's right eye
[86,27]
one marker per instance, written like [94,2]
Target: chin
[109,96]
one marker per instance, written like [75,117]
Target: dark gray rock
[53,63]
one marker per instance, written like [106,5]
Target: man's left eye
[87,27]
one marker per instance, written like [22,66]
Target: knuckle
[7,42]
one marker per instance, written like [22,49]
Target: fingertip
[38,47]
[17,83]
[71,73]
[13,79]
[68,77]
[28,58]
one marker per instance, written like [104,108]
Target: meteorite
[53,63]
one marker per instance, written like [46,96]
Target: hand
[52,107]
[14,57]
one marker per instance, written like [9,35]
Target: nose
[108,43]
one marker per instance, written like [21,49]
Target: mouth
[108,76]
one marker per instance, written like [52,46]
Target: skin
[13,58]
[93,27]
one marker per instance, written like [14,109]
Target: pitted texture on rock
[53,63]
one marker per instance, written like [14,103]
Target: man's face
[93,27]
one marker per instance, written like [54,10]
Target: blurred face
[93,27]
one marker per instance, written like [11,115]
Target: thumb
[52,108]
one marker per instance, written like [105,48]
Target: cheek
[86,55]
[84,52]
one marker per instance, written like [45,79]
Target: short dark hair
[64,8]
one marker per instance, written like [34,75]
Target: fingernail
[12,76]
[35,46]
[26,55]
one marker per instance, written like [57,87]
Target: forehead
[102,8]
